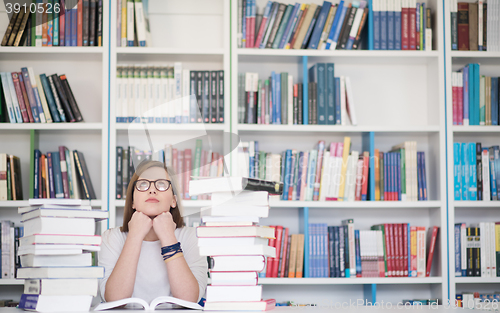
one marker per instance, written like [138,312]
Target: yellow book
[497,247]
[300,256]
[345,156]
[377,175]
[293,256]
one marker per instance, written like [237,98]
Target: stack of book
[31,98]
[231,235]
[55,253]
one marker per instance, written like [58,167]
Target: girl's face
[152,201]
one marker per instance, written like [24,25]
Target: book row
[397,25]
[54,23]
[475,97]
[474,26]
[476,249]
[169,94]
[132,24]
[476,169]
[11,186]
[61,174]
[10,234]
[184,165]
[477,300]
[339,174]
[30,98]
[387,250]
[277,100]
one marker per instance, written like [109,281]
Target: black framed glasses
[160,184]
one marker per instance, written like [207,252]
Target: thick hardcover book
[303,27]
[63,98]
[57,100]
[92,22]
[19,94]
[263,24]
[220,97]
[22,31]
[479,171]
[25,98]
[50,171]
[16,28]
[269,25]
[50,98]
[213,97]
[412,12]
[454,26]
[463,26]
[287,16]
[86,22]
[64,171]
[31,95]
[473,27]
[342,30]
[71,98]
[83,173]
[10,27]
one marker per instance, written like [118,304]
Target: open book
[148,307]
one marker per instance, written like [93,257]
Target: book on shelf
[32,98]
[11,187]
[64,23]
[278,100]
[472,26]
[168,94]
[328,26]
[158,301]
[132,24]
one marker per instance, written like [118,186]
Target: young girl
[152,254]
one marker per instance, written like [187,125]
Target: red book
[405,31]
[400,248]
[187,172]
[270,260]
[20,98]
[395,236]
[390,228]
[284,252]
[249,44]
[79,25]
[405,249]
[62,25]
[366,166]
[261,30]
[388,250]
[278,235]
[413,28]
[454,101]
[25,97]
[460,104]
[432,246]
[359,179]
[64,170]
[463,26]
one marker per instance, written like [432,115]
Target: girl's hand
[164,227]
[139,225]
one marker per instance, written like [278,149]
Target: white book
[165,94]
[143,93]
[45,303]
[238,250]
[186,97]
[137,302]
[235,231]
[74,177]
[61,287]
[59,226]
[359,15]
[325,176]
[350,106]
[179,106]
[486,237]
[60,272]
[234,293]
[8,99]
[45,106]
[137,112]
[485,156]
[12,255]
[62,202]
[172,105]
[428,39]
[131,94]
[482,248]
[237,263]
[492,250]
[415,170]
[37,260]
[119,94]
[48,249]
[233,278]
[157,94]
[240,210]
[68,213]
[229,220]
[41,115]
[480,24]
[151,94]
[463,247]
[290,100]
[130,23]
[351,176]
[421,252]
[124,96]
[15,102]
[140,23]
[338,177]
[343,104]
[231,241]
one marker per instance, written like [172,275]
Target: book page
[117,303]
[167,299]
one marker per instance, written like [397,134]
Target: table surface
[354,309]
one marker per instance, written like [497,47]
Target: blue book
[331,246]
[496,154]
[472,172]
[330,93]
[56,168]
[465,171]
[472,100]
[423,26]
[256,161]
[493,180]
[37,174]
[376,29]
[50,100]
[494,101]
[371,39]
[358,251]
[38,101]
[245,12]
[397,26]
[288,29]
[288,168]
[336,21]
[417,26]
[420,177]
[74,22]
[465,72]
[383,25]
[458,251]
[55,37]
[338,120]
[50,172]
[251,159]
[31,94]
[273,96]
[67,24]
[287,17]
[398,174]
[325,251]
[386,174]
[477,91]
[390,29]
[311,174]
[16,106]
[457,171]
[338,27]
[317,75]
[320,24]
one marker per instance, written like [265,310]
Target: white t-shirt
[151,280]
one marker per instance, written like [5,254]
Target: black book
[309,103]
[479,171]
[131,169]
[345,33]
[98,41]
[220,97]
[343,30]
[71,98]
[314,112]
[300,104]
[86,22]
[477,252]
[56,99]
[213,96]
[92,22]
[8,32]
[206,96]
[15,30]
[311,28]
[28,32]
[119,173]
[83,174]
[63,98]
[470,249]
[199,96]
[125,177]
[360,30]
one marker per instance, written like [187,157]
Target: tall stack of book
[230,234]
[56,258]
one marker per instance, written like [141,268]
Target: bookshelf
[469,212]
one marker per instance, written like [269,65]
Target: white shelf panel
[477,204]
[476,129]
[350,281]
[188,126]
[333,128]
[477,280]
[51,126]
[11,282]
[340,53]
[475,54]
[356,204]
[19,203]
[172,51]
[185,203]
[53,50]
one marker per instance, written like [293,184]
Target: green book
[403,172]
[196,162]
[262,165]
[9,181]
[281,29]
